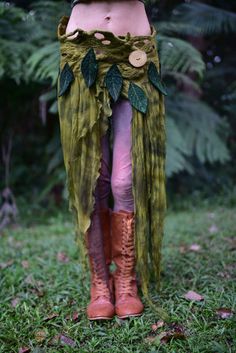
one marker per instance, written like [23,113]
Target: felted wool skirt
[96,70]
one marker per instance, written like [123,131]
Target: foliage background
[196,46]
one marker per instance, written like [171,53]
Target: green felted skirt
[93,74]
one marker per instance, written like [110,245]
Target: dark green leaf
[137,97]
[155,78]
[114,81]
[66,78]
[89,67]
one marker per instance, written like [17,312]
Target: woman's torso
[118,17]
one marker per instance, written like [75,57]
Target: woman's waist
[117,17]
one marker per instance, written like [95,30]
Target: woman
[109,82]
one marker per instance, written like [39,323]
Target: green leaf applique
[137,97]
[114,81]
[155,78]
[66,78]
[89,67]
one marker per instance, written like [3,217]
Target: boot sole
[129,315]
[100,318]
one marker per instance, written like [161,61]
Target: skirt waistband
[111,48]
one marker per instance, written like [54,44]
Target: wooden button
[137,58]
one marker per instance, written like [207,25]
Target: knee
[121,186]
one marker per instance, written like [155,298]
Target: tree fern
[15,41]
[47,15]
[177,55]
[176,149]
[208,19]
[43,64]
[199,127]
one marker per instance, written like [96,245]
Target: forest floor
[44,292]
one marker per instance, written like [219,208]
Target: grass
[36,284]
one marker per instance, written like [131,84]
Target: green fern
[208,19]
[15,41]
[195,132]
[176,149]
[43,64]
[177,55]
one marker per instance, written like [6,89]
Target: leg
[121,178]
[103,186]
[128,302]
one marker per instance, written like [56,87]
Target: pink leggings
[120,178]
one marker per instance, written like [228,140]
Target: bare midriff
[118,17]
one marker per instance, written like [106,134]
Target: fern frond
[184,80]
[43,64]
[13,56]
[172,28]
[201,128]
[176,149]
[208,19]
[179,56]
[47,15]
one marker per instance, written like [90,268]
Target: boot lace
[128,256]
[99,279]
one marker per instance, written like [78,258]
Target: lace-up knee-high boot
[127,301]
[101,304]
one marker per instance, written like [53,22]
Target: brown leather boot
[128,302]
[101,306]
[105,218]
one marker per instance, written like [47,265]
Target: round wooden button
[137,58]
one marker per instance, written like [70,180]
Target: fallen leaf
[191,295]
[67,341]
[40,335]
[62,257]
[24,350]
[4,265]
[154,327]
[25,264]
[176,331]
[164,336]
[157,325]
[50,317]
[224,313]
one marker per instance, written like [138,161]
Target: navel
[108,18]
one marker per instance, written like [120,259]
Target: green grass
[63,288]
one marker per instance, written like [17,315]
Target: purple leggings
[120,178]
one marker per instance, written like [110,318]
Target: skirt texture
[93,74]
